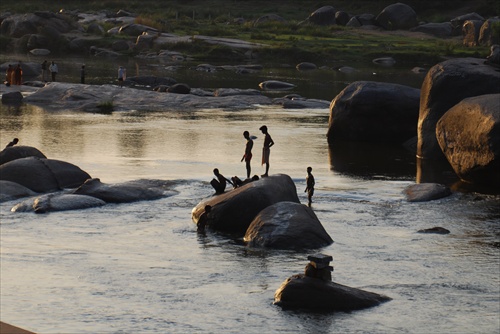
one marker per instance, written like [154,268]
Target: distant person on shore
[219,184]
[268,142]
[122,75]
[82,74]
[53,70]
[18,75]
[309,185]
[248,152]
[13,142]
[9,75]
[45,71]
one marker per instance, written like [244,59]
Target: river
[143,268]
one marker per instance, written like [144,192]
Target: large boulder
[233,211]
[287,225]
[145,41]
[12,190]
[342,18]
[469,136]
[445,85]
[459,21]
[43,175]
[131,191]
[304,292]
[18,152]
[323,16]
[487,35]
[397,16]
[470,31]
[374,111]
[25,24]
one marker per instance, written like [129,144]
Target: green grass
[105,107]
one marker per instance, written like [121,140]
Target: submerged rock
[132,191]
[435,230]
[58,202]
[423,192]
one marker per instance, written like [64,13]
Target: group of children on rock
[220,181]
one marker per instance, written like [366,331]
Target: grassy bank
[289,41]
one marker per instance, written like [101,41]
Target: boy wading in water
[248,152]
[268,142]
[309,185]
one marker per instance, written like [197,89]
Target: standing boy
[268,142]
[309,185]
[248,152]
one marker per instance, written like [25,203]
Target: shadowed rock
[323,16]
[306,66]
[397,16]
[435,230]
[287,225]
[423,192]
[374,111]
[43,175]
[233,211]
[443,30]
[275,85]
[12,190]
[18,152]
[303,292]
[12,97]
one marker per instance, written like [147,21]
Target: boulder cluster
[455,115]
[266,213]
[67,31]
[55,185]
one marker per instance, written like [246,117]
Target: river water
[143,268]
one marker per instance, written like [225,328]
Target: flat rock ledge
[91,98]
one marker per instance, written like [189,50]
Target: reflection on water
[372,160]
